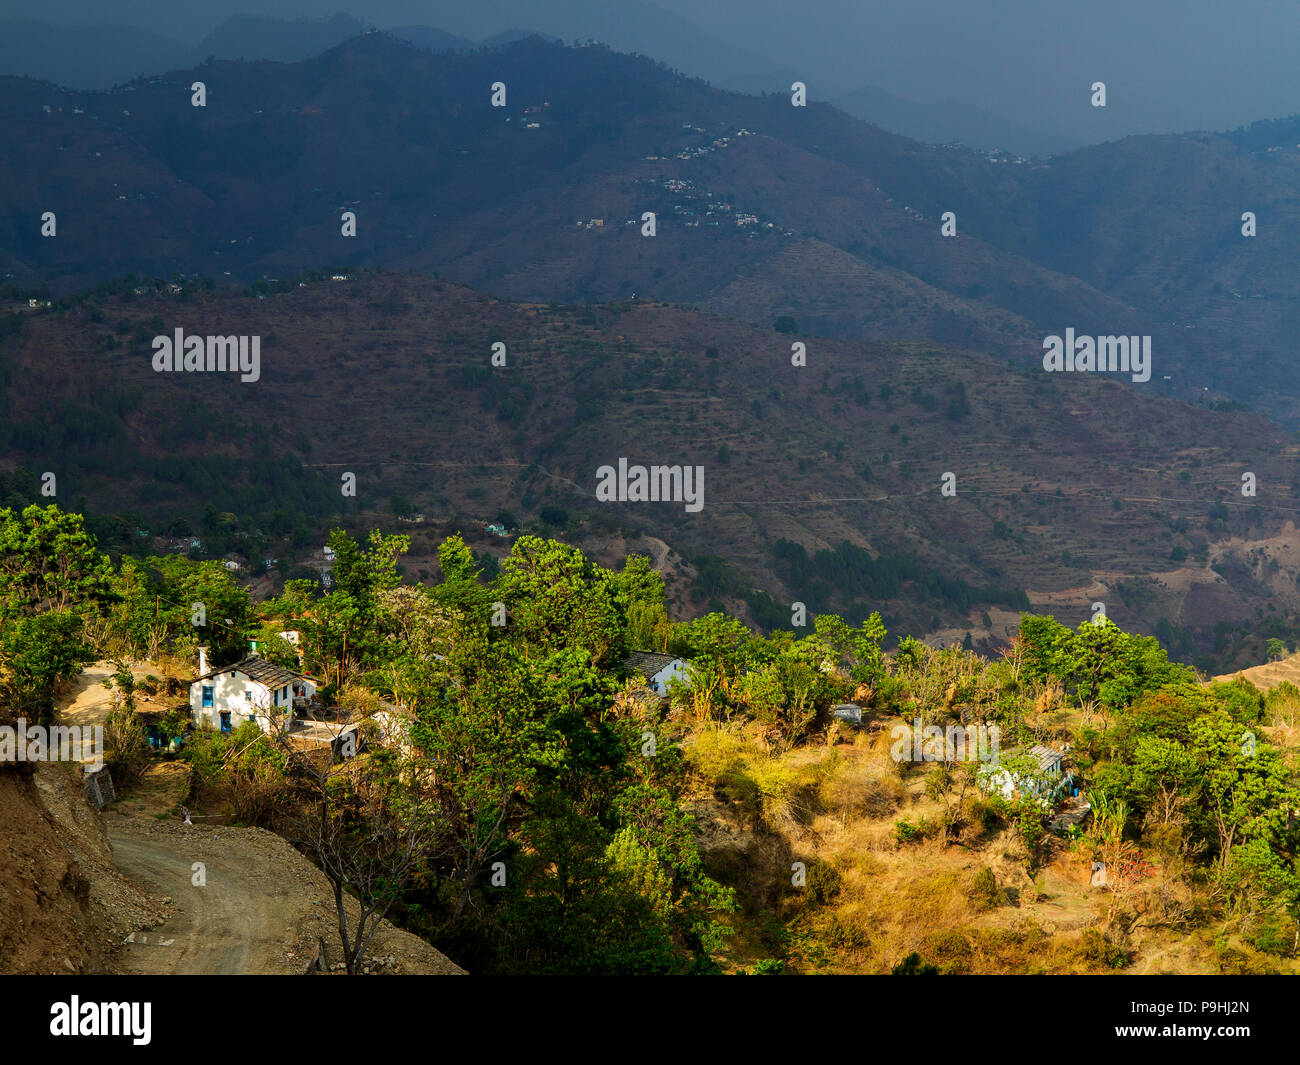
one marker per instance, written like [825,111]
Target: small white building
[387,726]
[1034,774]
[249,690]
[658,669]
[390,726]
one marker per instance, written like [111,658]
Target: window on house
[207,695]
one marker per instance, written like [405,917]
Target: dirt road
[234,924]
[90,703]
[259,908]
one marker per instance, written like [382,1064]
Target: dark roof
[648,663]
[257,668]
[1046,757]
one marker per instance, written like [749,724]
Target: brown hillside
[1069,487]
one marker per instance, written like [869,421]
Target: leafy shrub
[983,815]
[952,949]
[836,932]
[914,965]
[1274,935]
[174,723]
[984,889]
[1097,949]
[1029,826]
[906,832]
[1234,962]
[823,883]
[127,745]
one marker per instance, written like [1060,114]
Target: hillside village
[780,803]
[479,718]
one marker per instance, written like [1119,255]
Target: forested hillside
[544,815]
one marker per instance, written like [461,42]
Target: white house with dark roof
[658,669]
[225,698]
[1035,774]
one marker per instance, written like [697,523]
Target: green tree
[1100,664]
[721,649]
[1163,778]
[1246,792]
[363,572]
[53,581]
[48,562]
[555,598]
[481,732]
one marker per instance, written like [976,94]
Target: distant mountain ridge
[763,209]
[100,57]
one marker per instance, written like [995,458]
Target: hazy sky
[1168,64]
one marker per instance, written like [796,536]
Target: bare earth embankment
[260,908]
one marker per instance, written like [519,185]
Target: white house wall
[228,695]
[675,670]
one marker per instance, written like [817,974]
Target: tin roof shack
[1035,774]
[847,714]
